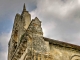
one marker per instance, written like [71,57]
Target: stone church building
[28,43]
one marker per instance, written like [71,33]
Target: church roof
[63,44]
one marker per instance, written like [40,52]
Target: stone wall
[36,47]
[62,53]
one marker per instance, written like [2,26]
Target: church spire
[24,10]
[24,7]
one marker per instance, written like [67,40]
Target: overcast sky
[60,19]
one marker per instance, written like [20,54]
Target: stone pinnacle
[24,7]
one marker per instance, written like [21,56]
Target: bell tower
[21,23]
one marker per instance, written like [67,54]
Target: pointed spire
[24,7]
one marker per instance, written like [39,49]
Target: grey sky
[60,19]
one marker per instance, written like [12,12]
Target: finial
[24,7]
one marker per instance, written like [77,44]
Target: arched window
[75,57]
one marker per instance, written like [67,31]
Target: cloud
[4,39]
[60,19]
[10,7]
[57,8]
[3,56]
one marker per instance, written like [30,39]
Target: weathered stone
[27,42]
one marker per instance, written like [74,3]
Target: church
[28,43]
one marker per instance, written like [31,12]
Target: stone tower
[27,42]
[27,38]
[21,23]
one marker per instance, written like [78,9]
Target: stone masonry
[27,42]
